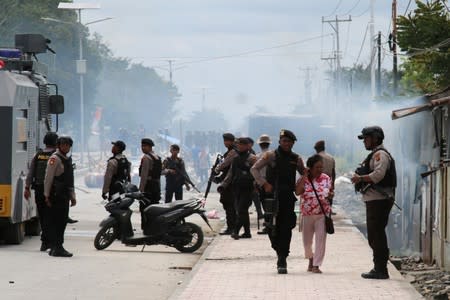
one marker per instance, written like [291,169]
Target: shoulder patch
[377,156]
[52,160]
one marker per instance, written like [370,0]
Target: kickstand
[142,250]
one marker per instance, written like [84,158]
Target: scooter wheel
[196,238]
[105,237]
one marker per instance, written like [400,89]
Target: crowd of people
[268,179]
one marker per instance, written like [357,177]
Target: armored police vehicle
[26,106]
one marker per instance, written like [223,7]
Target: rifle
[365,186]
[213,174]
[271,206]
[186,177]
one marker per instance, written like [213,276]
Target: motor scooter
[162,223]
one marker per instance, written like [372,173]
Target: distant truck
[26,106]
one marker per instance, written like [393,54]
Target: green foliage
[134,92]
[424,35]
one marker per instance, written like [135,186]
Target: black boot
[45,246]
[71,221]
[227,231]
[60,252]
[374,274]
[263,231]
[281,264]
[246,235]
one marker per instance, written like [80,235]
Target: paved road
[118,272]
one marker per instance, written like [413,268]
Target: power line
[362,44]
[254,51]
[407,7]
[445,4]
[335,9]
[351,9]
[363,13]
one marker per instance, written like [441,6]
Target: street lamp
[81,63]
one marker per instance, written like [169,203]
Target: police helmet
[374,131]
[50,138]
[65,140]
[120,145]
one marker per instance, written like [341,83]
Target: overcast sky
[188,31]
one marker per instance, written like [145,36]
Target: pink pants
[314,226]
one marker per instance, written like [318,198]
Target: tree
[130,94]
[424,35]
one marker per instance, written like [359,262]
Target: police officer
[150,171]
[377,181]
[264,142]
[251,144]
[35,180]
[58,192]
[241,181]
[176,176]
[226,194]
[117,170]
[279,184]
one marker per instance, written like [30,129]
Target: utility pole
[203,98]
[394,47]
[307,84]
[335,27]
[379,65]
[170,69]
[372,49]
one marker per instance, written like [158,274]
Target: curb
[195,269]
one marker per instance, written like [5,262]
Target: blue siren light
[10,53]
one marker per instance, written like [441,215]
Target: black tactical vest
[41,160]
[242,178]
[389,179]
[64,183]
[177,165]
[225,170]
[282,175]
[123,169]
[155,172]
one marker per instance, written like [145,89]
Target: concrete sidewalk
[246,269]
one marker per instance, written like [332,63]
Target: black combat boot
[60,252]
[374,274]
[45,246]
[227,231]
[235,234]
[281,264]
[71,221]
[246,235]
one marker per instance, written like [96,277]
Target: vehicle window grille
[43,102]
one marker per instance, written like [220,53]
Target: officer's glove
[104,196]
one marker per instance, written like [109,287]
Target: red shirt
[309,204]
